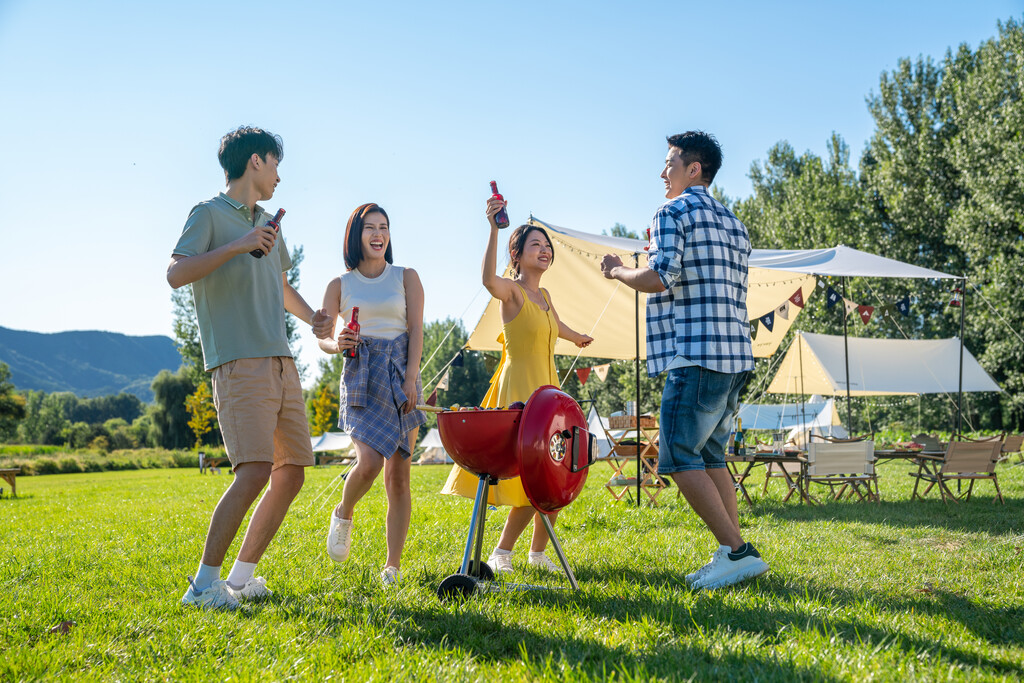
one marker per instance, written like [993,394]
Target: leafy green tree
[984,92]
[12,405]
[76,434]
[324,409]
[169,419]
[202,415]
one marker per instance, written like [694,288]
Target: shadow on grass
[980,514]
[493,639]
[1000,627]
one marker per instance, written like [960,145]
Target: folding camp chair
[846,463]
[1012,445]
[963,460]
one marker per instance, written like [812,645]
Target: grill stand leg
[558,551]
[476,527]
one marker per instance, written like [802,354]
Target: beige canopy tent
[606,309]
[816,364]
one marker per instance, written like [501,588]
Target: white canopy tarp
[815,364]
[777,417]
[606,309]
[330,441]
[433,449]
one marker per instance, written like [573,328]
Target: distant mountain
[87,363]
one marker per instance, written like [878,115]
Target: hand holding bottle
[500,217]
[270,231]
[494,206]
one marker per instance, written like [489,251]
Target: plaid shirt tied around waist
[699,250]
[371,397]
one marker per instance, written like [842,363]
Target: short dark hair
[238,146]
[517,241]
[353,248]
[699,146]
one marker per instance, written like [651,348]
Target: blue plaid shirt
[699,249]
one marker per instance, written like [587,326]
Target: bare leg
[704,496]
[396,486]
[359,480]
[285,483]
[727,490]
[518,519]
[250,478]
[540,534]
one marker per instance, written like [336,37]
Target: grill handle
[583,447]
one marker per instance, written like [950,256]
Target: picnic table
[887,454]
[10,476]
[751,460]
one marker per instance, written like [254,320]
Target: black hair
[353,248]
[238,146]
[696,145]
[517,241]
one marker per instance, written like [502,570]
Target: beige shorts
[261,412]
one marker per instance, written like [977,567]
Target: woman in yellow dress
[531,328]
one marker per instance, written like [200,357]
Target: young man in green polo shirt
[240,303]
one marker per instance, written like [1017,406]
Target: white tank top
[381,302]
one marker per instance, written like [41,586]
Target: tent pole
[636,372]
[846,356]
[803,397]
[960,391]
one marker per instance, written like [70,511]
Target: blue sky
[113,111]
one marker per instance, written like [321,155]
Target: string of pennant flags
[865,312]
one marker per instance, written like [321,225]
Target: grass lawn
[857,591]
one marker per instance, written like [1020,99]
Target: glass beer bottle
[274,223]
[353,324]
[500,218]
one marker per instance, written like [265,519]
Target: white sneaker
[339,538]
[501,563]
[390,576]
[691,578]
[254,589]
[731,568]
[218,596]
[544,562]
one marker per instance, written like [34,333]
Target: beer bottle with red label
[274,223]
[500,218]
[353,324]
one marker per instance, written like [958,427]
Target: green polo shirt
[240,306]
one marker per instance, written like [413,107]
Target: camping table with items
[622,434]
[11,476]
[795,481]
[911,454]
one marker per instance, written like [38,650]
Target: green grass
[897,591]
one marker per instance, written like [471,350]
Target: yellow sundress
[527,363]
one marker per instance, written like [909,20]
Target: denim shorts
[697,409]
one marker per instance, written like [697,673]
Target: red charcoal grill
[546,443]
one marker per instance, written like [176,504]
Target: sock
[205,576]
[499,551]
[240,573]
[534,553]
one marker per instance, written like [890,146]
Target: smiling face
[376,236]
[537,252]
[678,175]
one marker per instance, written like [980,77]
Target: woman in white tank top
[380,386]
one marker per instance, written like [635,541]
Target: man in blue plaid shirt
[697,332]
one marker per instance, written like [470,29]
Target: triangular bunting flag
[583,374]
[490,362]
[432,401]
[831,297]
[602,371]
[798,298]
[821,283]
[865,313]
[851,306]
[768,320]
[459,361]
[903,305]
[783,311]
[443,382]
[753,330]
